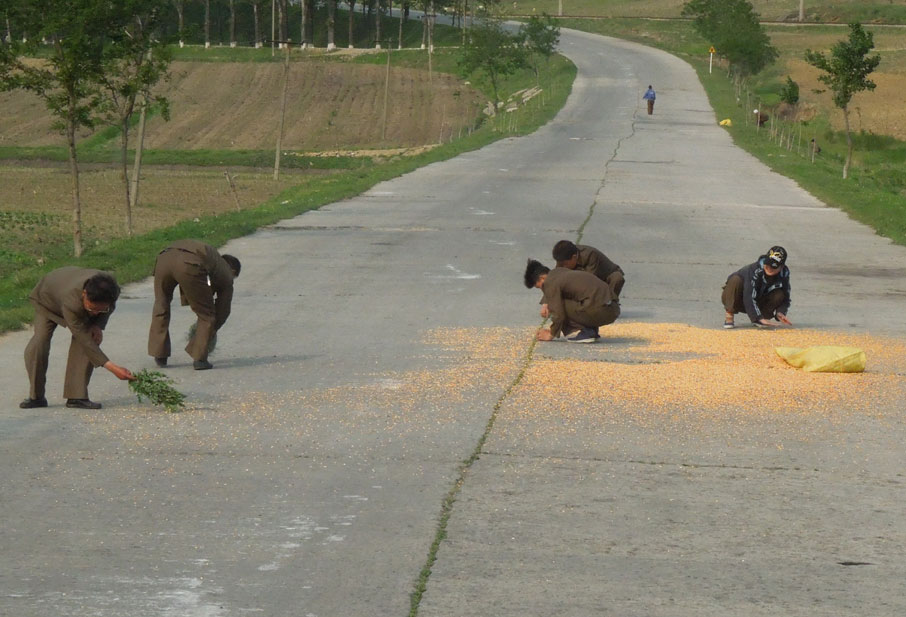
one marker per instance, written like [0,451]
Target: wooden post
[386,90]
[233,189]
[282,113]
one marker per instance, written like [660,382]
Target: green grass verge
[131,259]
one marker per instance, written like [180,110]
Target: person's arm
[86,334]
[784,307]
[120,372]
[222,306]
[557,312]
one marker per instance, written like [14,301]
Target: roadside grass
[841,11]
[875,193]
[30,250]
[199,158]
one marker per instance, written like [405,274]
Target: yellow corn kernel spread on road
[680,369]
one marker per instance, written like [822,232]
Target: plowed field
[237,105]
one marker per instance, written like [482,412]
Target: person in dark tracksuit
[205,279]
[82,300]
[761,290]
[578,302]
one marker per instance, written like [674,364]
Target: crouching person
[577,302]
[761,290]
[81,300]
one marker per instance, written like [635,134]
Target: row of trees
[101,60]
[732,27]
[252,22]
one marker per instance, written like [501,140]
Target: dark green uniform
[594,261]
[191,264]
[57,299]
[578,298]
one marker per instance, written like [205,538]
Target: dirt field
[166,195]
[330,106]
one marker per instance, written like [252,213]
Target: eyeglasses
[98,311]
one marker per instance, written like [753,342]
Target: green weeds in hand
[157,388]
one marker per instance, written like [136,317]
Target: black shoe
[31,403]
[82,403]
[202,365]
[160,362]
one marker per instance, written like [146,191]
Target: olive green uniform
[191,264]
[57,299]
[594,261]
[578,298]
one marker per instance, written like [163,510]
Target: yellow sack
[726,122]
[824,359]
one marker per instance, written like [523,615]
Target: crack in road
[448,501]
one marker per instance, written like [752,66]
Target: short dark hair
[533,271]
[102,289]
[564,250]
[233,263]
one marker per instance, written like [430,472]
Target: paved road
[378,344]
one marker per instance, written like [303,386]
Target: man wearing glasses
[80,299]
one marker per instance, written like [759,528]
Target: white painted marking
[269,567]
[335,538]
[458,274]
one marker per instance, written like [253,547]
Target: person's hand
[767,322]
[544,335]
[784,319]
[96,334]
[545,312]
[121,372]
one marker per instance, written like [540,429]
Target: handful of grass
[191,334]
[155,386]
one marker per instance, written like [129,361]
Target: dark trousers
[590,316]
[731,297]
[650,106]
[175,267]
[37,355]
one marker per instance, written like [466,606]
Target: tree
[846,72]
[232,5]
[540,36]
[493,51]
[131,69]
[331,24]
[207,24]
[732,27]
[181,22]
[256,14]
[351,22]
[789,92]
[81,32]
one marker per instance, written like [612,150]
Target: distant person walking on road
[205,279]
[650,96]
[761,290]
[579,302]
[82,300]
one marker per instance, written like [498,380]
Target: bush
[789,93]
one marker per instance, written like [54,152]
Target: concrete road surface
[379,363]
